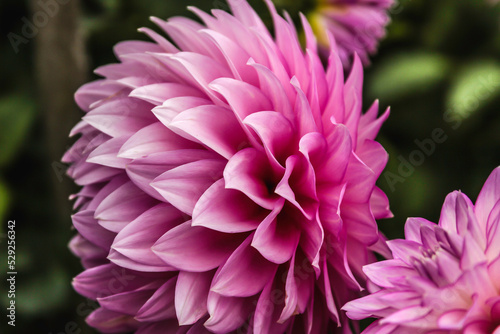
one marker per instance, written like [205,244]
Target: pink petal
[379,204]
[136,239]
[153,139]
[160,40]
[405,250]
[183,186]
[106,280]
[237,94]
[126,47]
[90,254]
[198,69]
[160,92]
[160,306]
[170,326]
[247,15]
[287,42]
[413,227]
[369,125]
[359,221]
[311,240]
[298,185]
[226,210]
[377,328]
[338,155]
[457,213]
[353,98]
[387,273]
[125,262]
[452,319]
[227,313]
[275,132]
[493,232]
[244,274]
[265,319]
[236,58]
[186,34]
[92,92]
[272,87]
[489,195]
[128,302]
[249,172]
[174,106]
[276,238]
[373,155]
[88,227]
[335,107]
[328,295]
[473,254]
[214,127]
[306,120]
[122,206]
[191,293]
[494,271]
[107,154]
[194,248]
[291,296]
[360,181]
[111,322]
[120,117]
[143,171]
[408,314]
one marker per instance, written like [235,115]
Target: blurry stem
[61,67]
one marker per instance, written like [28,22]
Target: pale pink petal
[489,195]
[227,313]
[191,293]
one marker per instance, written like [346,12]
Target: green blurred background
[438,69]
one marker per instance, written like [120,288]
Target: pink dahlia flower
[356,25]
[228,181]
[444,278]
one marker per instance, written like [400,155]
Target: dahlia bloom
[228,181]
[357,25]
[445,277]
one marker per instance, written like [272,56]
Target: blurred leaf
[437,31]
[16,115]
[404,74]
[473,88]
[44,293]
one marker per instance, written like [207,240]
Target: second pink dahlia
[356,25]
[228,181]
[445,277]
